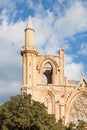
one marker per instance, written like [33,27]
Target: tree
[59,126]
[71,126]
[81,125]
[22,113]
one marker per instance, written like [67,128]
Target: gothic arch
[45,72]
[49,102]
[49,60]
[77,93]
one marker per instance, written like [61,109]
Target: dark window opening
[48,71]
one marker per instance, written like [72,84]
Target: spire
[29,23]
[29,33]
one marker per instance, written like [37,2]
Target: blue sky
[57,23]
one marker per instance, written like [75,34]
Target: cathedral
[43,78]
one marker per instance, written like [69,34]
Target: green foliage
[22,113]
[59,126]
[71,126]
[81,125]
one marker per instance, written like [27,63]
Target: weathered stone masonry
[43,78]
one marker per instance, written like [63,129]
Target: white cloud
[68,59]
[74,21]
[7,4]
[74,70]
[36,6]
[11,41]
[8,89]
[83,49]
[43,29]
[50,34]
[60,1]
[13,32]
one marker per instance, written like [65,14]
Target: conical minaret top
[29,23]
[29,33]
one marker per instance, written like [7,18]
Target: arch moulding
[49,60]
[76,93]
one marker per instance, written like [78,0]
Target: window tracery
[79,109]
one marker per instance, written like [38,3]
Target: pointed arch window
[48,65]
[49,102]
[79,109]
[48,73]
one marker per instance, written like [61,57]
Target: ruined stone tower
[43,78]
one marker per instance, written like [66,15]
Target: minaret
[29,53]
[29,33]
[29,36]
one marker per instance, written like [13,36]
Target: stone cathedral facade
[43,78]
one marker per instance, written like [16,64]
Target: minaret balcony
[29,49]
